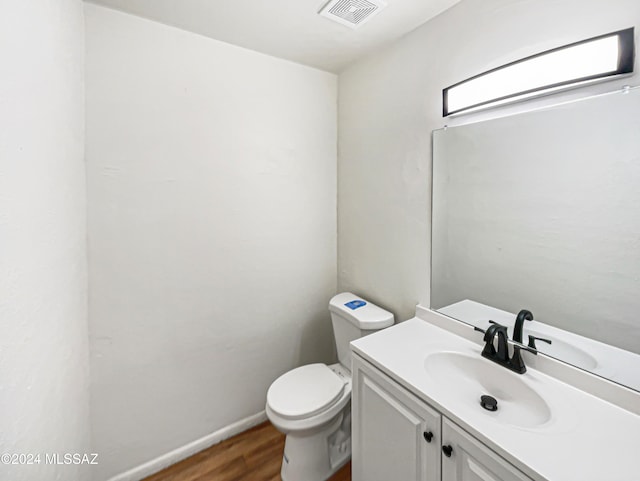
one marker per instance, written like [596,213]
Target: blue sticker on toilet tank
[355,304]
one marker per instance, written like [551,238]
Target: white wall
[44,391]
[390,102]
[212,231]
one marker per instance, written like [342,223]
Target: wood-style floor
[254,455]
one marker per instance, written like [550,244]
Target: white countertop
[587,439]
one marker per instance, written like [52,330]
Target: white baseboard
[172,457]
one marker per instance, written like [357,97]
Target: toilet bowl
[312,404]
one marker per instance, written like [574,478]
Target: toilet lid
[305,391]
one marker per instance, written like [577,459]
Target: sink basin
[463,378]
[564,351]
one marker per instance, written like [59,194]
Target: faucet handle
[492,330]
[533,339]
[489,334]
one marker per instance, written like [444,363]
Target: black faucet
[522,316]
[517,364]
[501,355]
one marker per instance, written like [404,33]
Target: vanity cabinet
[397,436]
[470,460]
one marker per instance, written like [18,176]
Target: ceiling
[289,29]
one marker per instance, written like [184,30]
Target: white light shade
[592,59]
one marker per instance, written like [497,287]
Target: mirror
[541,211]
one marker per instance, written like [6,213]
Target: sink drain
[489,403]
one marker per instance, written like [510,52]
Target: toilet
[312,404]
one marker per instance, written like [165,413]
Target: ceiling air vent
[352,13]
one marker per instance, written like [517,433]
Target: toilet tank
[352,318]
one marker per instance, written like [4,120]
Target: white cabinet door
[396,436]
[469,460]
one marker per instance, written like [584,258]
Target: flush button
[489,403]
[355,304]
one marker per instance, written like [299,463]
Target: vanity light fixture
[594,59]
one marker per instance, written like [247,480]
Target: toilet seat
[305,392]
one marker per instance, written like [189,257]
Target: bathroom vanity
[417,413]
